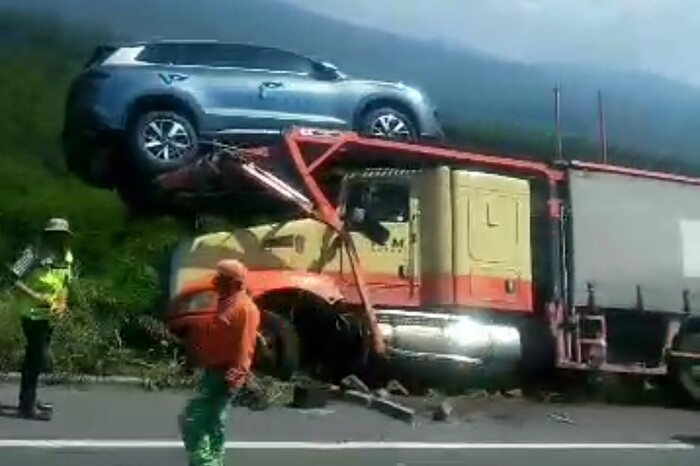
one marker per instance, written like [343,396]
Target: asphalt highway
[129,427]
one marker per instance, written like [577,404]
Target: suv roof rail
[155,41]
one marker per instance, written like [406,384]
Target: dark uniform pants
[37,333]
[203,422]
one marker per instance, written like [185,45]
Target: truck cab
[439,247]
[437,237]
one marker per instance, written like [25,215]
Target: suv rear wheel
[388,123]
[162,141]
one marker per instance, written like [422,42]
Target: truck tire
[161,141]
[279,348]
[687,372]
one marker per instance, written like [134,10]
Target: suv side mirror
[360,220]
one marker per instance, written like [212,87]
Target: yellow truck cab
[439,247]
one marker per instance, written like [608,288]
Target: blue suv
[140,109]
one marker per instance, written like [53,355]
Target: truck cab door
[389,268]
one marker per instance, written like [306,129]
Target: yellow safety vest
[51,277]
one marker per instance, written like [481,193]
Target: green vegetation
[114,328]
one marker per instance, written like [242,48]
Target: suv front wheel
[162,141]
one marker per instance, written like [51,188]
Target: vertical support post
[603,129]
[592,305]
[640,298]
[558,317]
[557,123]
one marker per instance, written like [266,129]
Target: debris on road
[395,387]
[382,393]
[380,400]
[393,409]
[353,382]
[355,397]
[442,411]
[563,418]
[515,393]
[310,396]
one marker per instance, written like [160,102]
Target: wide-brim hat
[58,225]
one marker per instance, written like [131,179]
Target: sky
[659,36]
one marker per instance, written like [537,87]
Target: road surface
[129,427]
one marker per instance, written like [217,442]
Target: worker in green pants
[224,347]
[204,422]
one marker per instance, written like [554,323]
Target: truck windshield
[384,201]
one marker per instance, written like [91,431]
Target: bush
[11,340]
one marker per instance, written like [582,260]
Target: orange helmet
[232,269]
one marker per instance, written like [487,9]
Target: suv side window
[280,60]
[201,54]
[383,200]
[227,56]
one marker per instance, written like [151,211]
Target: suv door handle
[268,85]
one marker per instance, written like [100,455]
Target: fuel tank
[460,341]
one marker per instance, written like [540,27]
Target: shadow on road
[689,439]
[9,411]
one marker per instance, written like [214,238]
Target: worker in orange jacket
[224,347]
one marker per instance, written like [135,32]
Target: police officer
[42,273]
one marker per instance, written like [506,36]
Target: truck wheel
[278,349]
[687,372]
[388,123]
[161,141]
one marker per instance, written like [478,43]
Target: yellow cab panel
[295,245]
[491,241]
[454,238]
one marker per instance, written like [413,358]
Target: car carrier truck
[458,260]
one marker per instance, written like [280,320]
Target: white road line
[172,444]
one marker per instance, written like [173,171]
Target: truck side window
[384,201]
